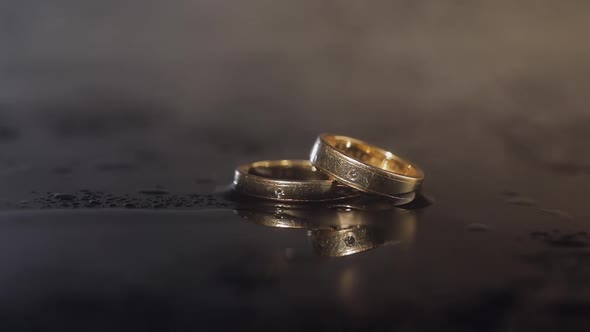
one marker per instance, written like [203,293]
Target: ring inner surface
[289,173]
[372,156]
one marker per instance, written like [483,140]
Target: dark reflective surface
[117,269]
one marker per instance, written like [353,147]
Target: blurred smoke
[207,57]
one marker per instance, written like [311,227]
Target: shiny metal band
[288,180]
[365,167]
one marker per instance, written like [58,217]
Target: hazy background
[207,58]
[204,85]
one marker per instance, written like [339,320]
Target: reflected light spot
[348,280]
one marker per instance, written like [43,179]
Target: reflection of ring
[340,231]
[288,180]
[365,167]
[278,217]
[321,218]
[401,228]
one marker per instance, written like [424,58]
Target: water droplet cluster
[143,199]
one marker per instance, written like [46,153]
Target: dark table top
[121,125]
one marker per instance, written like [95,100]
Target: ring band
[365,167]
[288,180]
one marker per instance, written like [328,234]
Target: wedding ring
[365,167]
[288,180]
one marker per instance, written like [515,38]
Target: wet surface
[119,134]
[161,244]
[184,270]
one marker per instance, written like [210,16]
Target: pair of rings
[338,167]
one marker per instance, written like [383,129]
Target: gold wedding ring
[288,180]
[365,167]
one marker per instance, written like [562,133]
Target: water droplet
[557,213]
[64,197]
[279,192]
[353,175]
[521,201]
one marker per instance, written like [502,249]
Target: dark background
[127,97]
